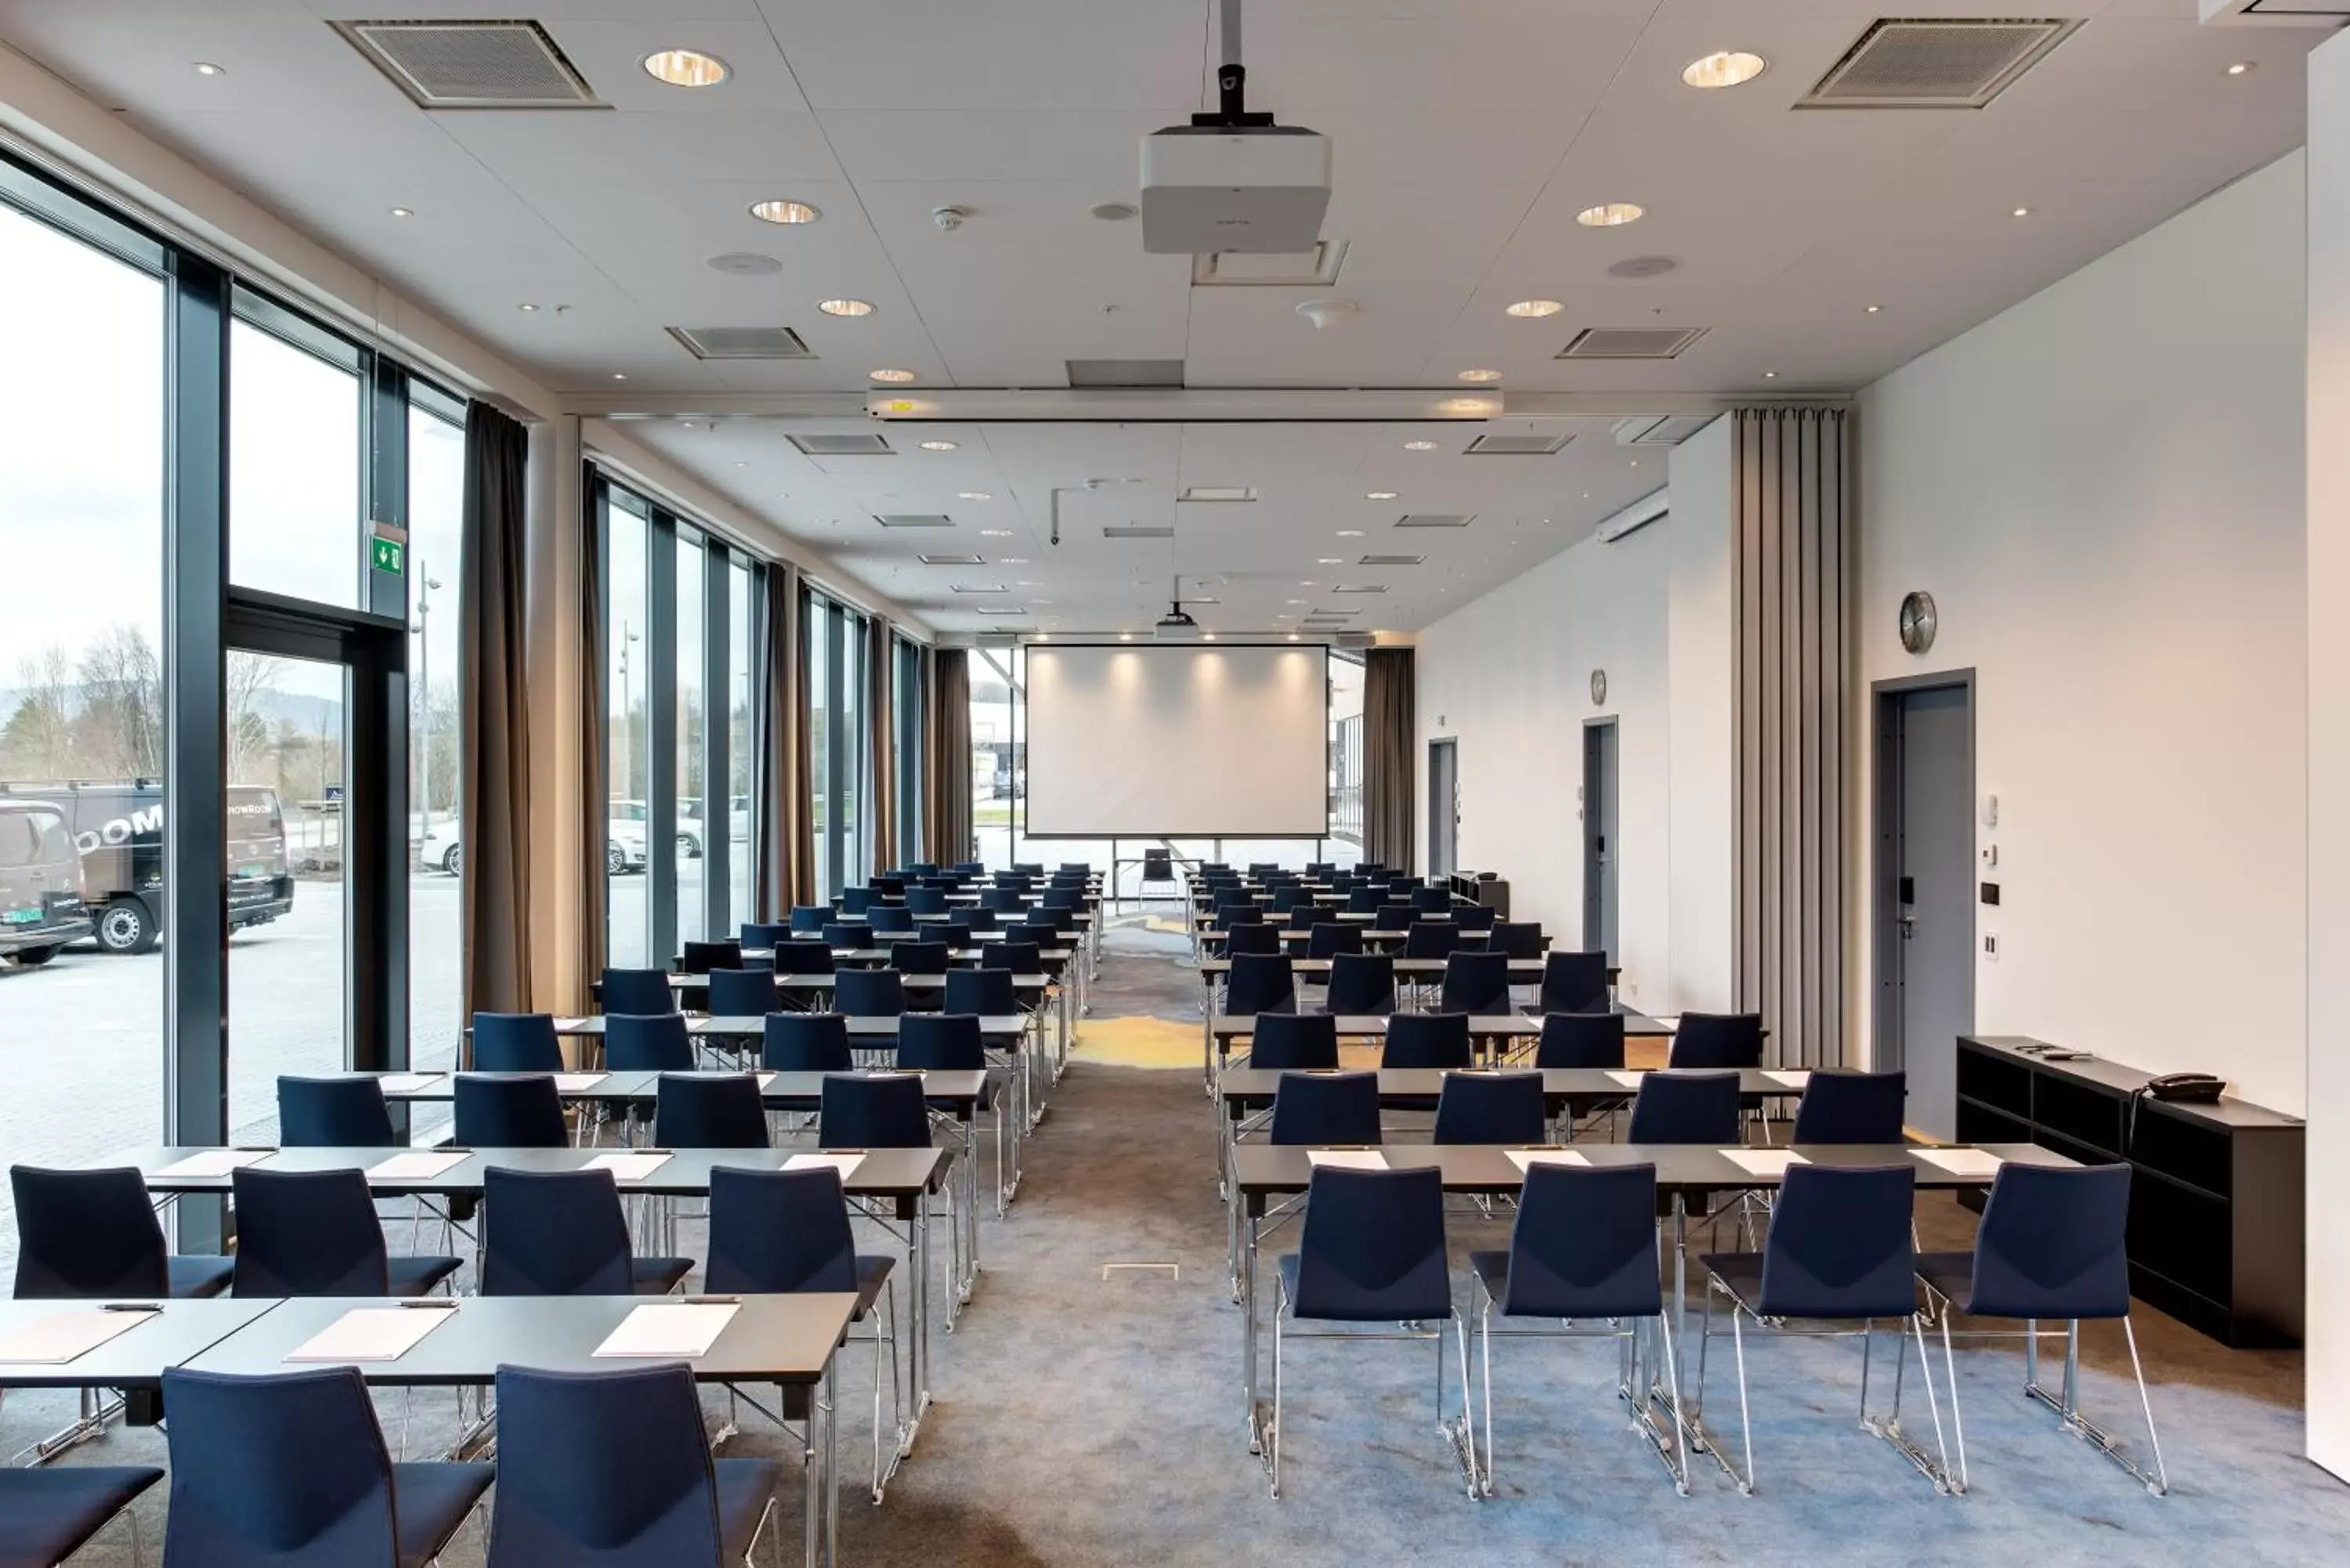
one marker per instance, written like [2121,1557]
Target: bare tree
[121,726]
[37,740]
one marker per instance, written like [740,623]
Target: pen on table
[713,1301]
[440,1303]
[132,1306]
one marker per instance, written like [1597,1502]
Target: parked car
[690,835]
[443,847]
[41,906]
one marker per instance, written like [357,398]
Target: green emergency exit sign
[388,547]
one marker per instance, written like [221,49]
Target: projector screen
[1128,741]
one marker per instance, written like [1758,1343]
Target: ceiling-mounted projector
[1176,624]
[1231,179]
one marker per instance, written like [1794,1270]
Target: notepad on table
[406,1082]
[577,1083]
[766,1081]
[1796,1081]
[1346,1159]
[846,1164]
[1524,1157]
[563,1024]
[629,1166]
[1763,1161]
[685,1332]
[417,1165]
[58,1337]
[1962,1161]
[215,1162]
[372,1334]
[1629,1080]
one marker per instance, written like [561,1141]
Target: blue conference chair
[702,958]
[2051,1245]
[890,920]
[1039,937]
[1718,1040]
[1515,938]
[315,1233]
[926,900]
[1236,915]
[1584,1248]
[1060,897]
[290,1471]
[1256,939]
[612,1469]
[812,919]
[709,1110]
[649,1042]
[515,1042]
[1260,984]
[1840,1106]
[1294,1042]
[969,868]
[889,885]
[1325,1109]
[968,920]
[869,992]
[1591,1041]
[940,1043]
[1431,900]
[1574,983]
[47,1515]
[1476,984]
[766,934]
[1291,896]
[1260,869]
[1002,900]
[858,900]
[333,1112]
[874,1110]
[636,991]
[926,958]
[1430,939]
[1838,1251]
[1476,920]
[956,933]
[1685,1107]
[1013,957]
[1328,939]
[1371,1251]
[92,1235]
[561,1234]
[987,993]
[805,1042]
[1366,899]
[742,993]
[854,935]
[1360,983]
[1490,1108]
[801,957]
[785,1232]
[1394,914]
[509,1110]
[1426,1040]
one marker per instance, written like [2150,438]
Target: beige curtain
[786,843]
[880,728]
[1391,743]
[492,716]
[1791,489]
[946,756]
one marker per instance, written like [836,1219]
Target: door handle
[1909,925]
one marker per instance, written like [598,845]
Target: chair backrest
[308,1233]
[1718,1040]
[1015,956]
[1839,1244]
[84,1234]
[1517,939]
[1260,869]
[740,992]
[1476,982]
[654,1042]
[1580,1040]
[1036,936]
[1291,896]
[1841,1107]
[1059,897]
[277,1471]
[509,1110]
[1426,1040]
[1430,939]
[805,1042]
[968,920]
[812,918]
[701,958]
[873,1110]
[968,867]
[1325,1109]
[986,991]
[1028,867]
[1478,917]
[1002,900]
[552,1233]
[1235,915]
[603,1468]
[1574,983]
[1372,1250]
[1431,900]
[941,1042]
[1260,983]
[778,1232]
[1490,1108]
[636,991]
[332,1113]
[1686,1107]
[803,958]
[869,992]
[1157,865]
[889,885]
[1361,983]
[768,934]
[2051,1243]
[1394,914]
[1328,939]
[919,958]
[709,1110]
[1257,938]
[1585,1243]
[894,919]
[1294,1042]
[926,900]
[858,900]
[1364,900]
[517,1042]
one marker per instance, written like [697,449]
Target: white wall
[2102,489]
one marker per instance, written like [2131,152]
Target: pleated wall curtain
[880,728]
[1391,741]
[783,831]
[1789,479]
[493,717]
[946,757]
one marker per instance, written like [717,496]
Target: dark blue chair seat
[658,1276]
[416,1277]
[46,1515]
[197,1276]
[745,1487]
[431,1501]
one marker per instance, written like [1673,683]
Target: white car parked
[442,847]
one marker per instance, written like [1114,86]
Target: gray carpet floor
[1086,1419]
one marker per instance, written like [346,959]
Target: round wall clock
[1599,686]
[1918,622]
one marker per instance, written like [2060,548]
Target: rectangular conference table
[1265,1173]
[898,1181]
[786,1340]
[1039,984]
[1485,1030]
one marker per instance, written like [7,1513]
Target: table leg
[1248,1329]
[812,1484]
[918,1354]
[831,1470]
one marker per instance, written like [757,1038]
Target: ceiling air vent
[1316,268]
[472,65]
[1124,372]
[740,342]
[1959,62]
[1517,445]
[1391,561]
[1659,430]
[1140,531]
[1636,343]
[1357,639]
[913,520]
[818,445]
[951,560]
[981,588]
[1434,520]
[1360,588]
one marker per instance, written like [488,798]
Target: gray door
[1599,837]
[1443,808]
[1925,993]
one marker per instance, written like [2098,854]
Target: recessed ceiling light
[620,375]
[776,210]
[1350,533]
[939,445]
[1723,68]
[1611,214]
[1307,584]
[1477,376]
[1531,309]
[995,533]
[2021,213]
[1293,601]
[686,69]
[526,308]
[742,463]
[1207,636]
[1874,309]
[845,306]
[1770,375]
[404,212]
[1378,496]
[976,495]
[1293,636]
[2239,68]
[894,377]
[1126,637]
[1420,446]
[207,68]
[1015,561]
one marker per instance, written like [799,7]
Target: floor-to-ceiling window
[816,619]
[436,527]
[742,746]
[690,825]
[995,675]
[627,528]
[837,754]
[906,725]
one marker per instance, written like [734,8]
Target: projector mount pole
[1231,79]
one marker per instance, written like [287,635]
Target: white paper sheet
[407,1083]
[69,1334]
[1629,1080]
[678,1332]
[417,1165]
[1790,1080]
[1763,1161]
[846,1164]
[629,1166]
[563,1024]
[1346,1159]
[577,1083]
[1962,1161]
[1522,1158]
[215,1162]
[372,1334]
[766,1081]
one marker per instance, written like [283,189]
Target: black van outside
[118,827]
